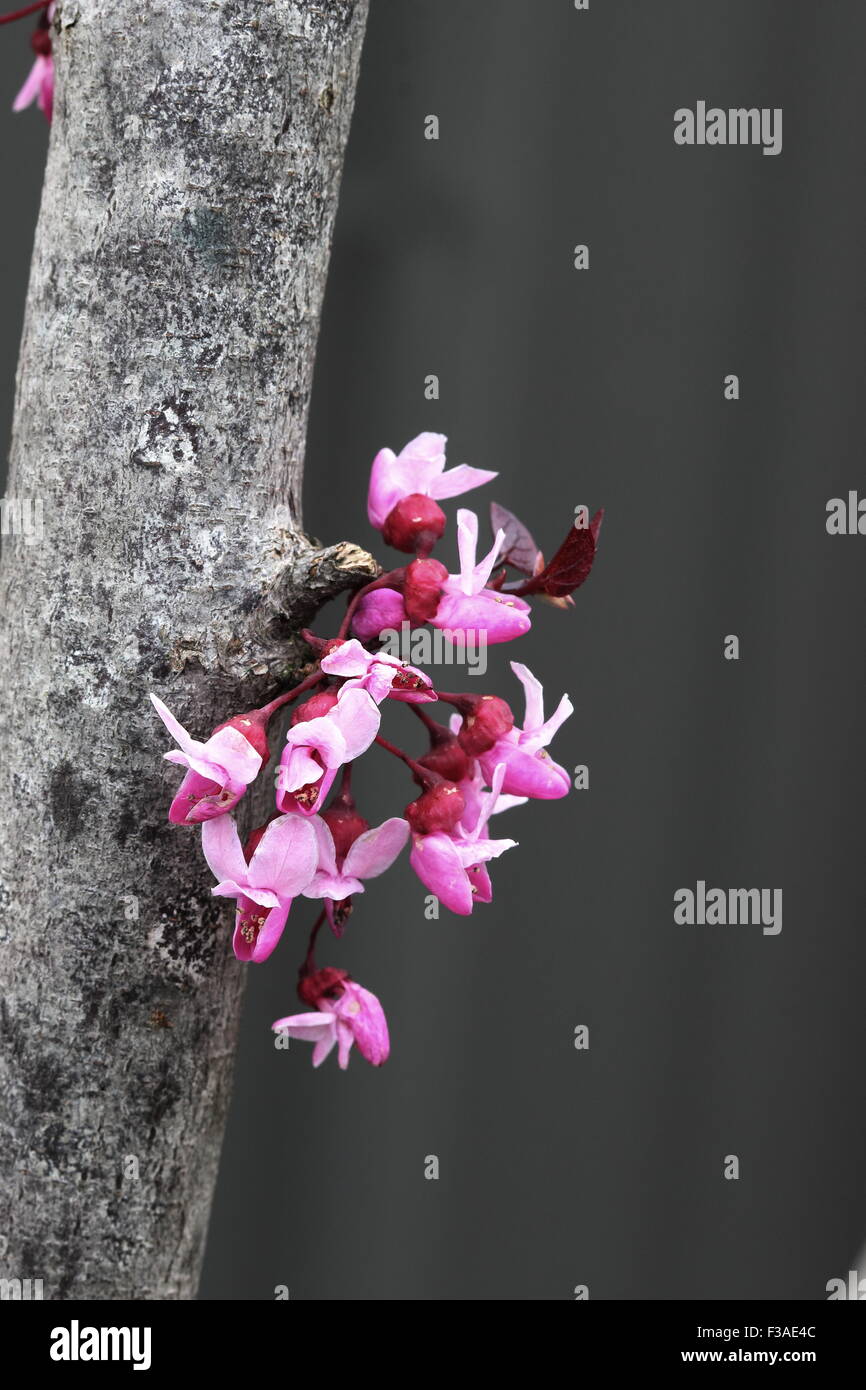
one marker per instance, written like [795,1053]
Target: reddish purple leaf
[571,564]
[518,549]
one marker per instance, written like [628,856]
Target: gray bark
[161,412]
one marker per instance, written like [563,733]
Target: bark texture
[161,412]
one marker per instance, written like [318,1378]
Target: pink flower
[381,609]
[317,748]
[337,876]
[418,470]
[465,605]
[381,675]
[451,865]
[39,85]
[346,1014]
[529,769]
[219,771]
[281,866]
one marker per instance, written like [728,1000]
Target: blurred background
[602,1167]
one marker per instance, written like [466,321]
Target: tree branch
[161,413]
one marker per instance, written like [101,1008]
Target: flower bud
[326,983]
[414,525]
[486,719]
[422,589]
[345,824]
[446,757]
[316,707]
[439,808]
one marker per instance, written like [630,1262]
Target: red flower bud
[438,808]
[486,719]
[315,707]
[446,757]
[41,41]
[328,982]
[345,824]
[422,589]
[414,525]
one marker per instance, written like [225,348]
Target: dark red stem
[309,964]
[314,679]
[22,14]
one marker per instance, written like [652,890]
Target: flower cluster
[39,85]
[316,843]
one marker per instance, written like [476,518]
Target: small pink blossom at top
[446,863]
[39,84]
[419,468]
[338,877]
[466,605]
[281,866]
[317,748]
[351,1015]
[220,770]
[380,674]
[529,769]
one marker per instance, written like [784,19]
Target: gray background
[604,387]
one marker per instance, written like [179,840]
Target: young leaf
[518,549]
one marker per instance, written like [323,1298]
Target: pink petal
[375,851]
[327,854]
[269,936]
[176,729]
[325,735]
[31,89]
[324,1048]
[527,773]
[458,480]
[192,791]
[363,1014]
[377,612]
[222,849]
[334,886]
[345,1039]
[534,693]
[489,616]
[286,857]
[235,753]
[351,659]
[358,719]
[481,851]
[318,1028]
[46,89]
[311,1026]
[437,863]
[479,878]
[384,491]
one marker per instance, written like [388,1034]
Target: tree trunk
[160,419]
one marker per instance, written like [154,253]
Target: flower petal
[221,846]
[375,850]
[437,863]
[286,857]
[458,480]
